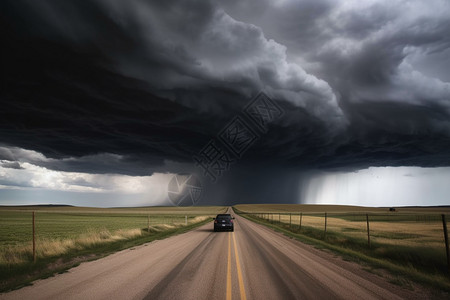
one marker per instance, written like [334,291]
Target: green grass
[396,246]
[396,236]
[65,236]
[16,227]
[70,222]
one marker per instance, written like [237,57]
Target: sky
[103,102]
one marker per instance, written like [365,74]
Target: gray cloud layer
[124,87]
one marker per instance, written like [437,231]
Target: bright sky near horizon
[375,186]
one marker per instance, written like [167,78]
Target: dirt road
[253,262]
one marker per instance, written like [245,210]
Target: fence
[25,234]
[420,239]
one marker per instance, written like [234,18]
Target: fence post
[368,230]
[34,240]
[444,225]
[185,220]
[300,227]
[325,232]
[290,220]
[279,218]
[148,223]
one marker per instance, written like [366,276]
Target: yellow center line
[238,265]
[229,269]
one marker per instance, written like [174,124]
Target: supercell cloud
[135,88]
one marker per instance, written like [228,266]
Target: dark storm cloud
[388,64]
[363,47]
[135,87]
[11,165]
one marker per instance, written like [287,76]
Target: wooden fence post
[300,227]
[325,232]
[185,220]
[148,223]
[279,218]
[290,220]
[368,230]
[444,225]
[34,239]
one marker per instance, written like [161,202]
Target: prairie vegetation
[408,241]
[67,235]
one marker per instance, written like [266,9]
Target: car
[223,222]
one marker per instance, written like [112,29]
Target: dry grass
[410,246]
[64,238]
[409,241]
[305,208]
[198,219]
[11,255]
[162,227]
[17,254]
[21,251]
[400,228]
[405,233]
[320,208]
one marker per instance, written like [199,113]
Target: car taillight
[231,221]
[215,221]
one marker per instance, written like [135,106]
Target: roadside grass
[67,236]
[409,250]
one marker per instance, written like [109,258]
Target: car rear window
[223,218]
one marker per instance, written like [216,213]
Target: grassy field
[318,208]
[71,222]
[408,241]
[65,233]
